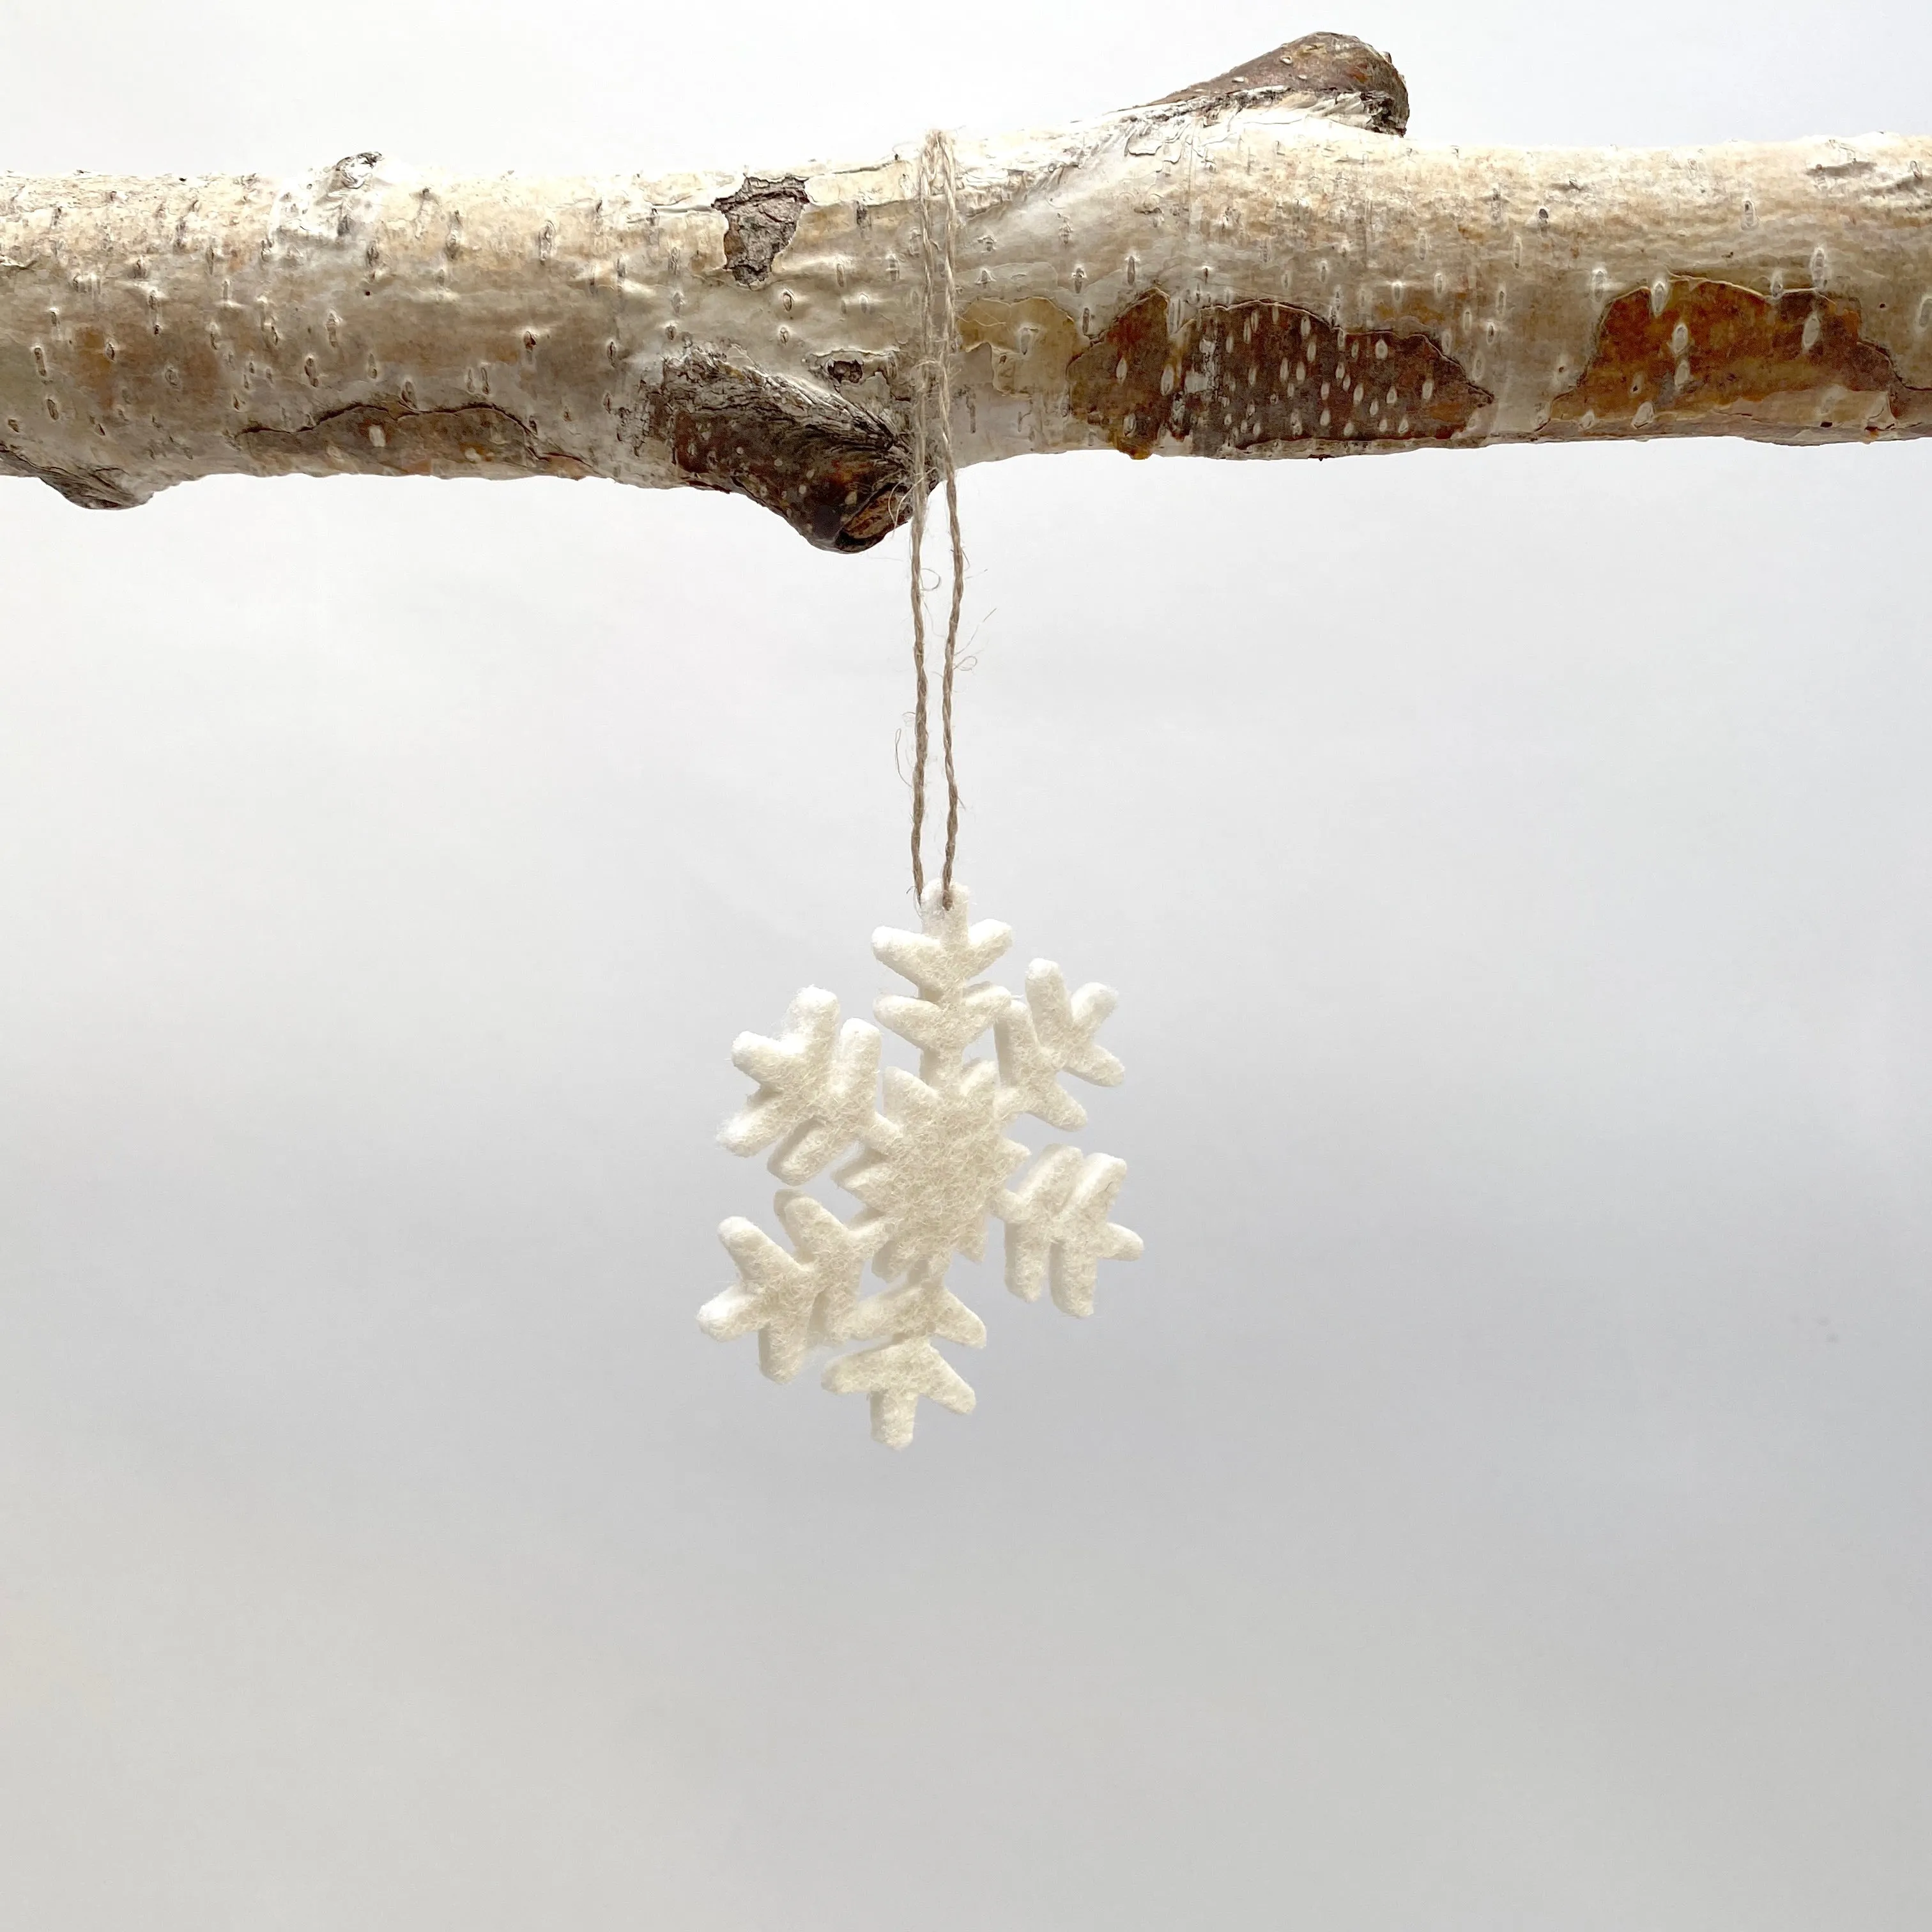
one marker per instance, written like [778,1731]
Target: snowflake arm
[816,1085]
[943,1029]
[1029,1078]
[1056,1227]
[943,961]
[925,1306]
[1050,1033]
[895,1377]
[949,951]
[1067,1023]
[793,1302]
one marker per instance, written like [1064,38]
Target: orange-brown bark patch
[1703,357]
[1253,376]
[1022,347]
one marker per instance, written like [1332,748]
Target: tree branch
[1259,265]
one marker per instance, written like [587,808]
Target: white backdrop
[1501,1497]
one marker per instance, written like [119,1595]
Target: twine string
[938,193]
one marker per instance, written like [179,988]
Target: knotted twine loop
[937,192]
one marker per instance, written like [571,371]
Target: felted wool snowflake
[928,1171]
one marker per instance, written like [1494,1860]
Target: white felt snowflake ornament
[930,1170]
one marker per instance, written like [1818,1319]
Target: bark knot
[834,470]
[352,171]
[1335,75]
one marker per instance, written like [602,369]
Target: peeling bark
[1259,265]
[478,438]
[759,221]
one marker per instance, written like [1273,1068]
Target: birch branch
[1259,265]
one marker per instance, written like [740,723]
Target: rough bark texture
[1259,265]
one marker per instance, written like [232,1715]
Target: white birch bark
[1260,266]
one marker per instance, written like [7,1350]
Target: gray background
[1501,1497]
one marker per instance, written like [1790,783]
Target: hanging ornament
[933,1167]
[930,1170]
